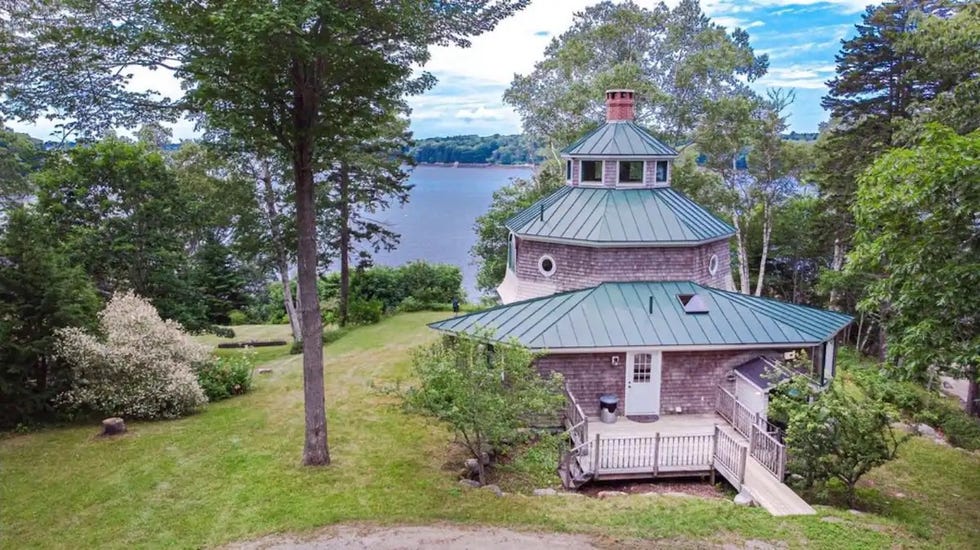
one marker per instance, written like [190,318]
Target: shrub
[365,312]
[411,303]
[142,367]
[223,377]
[237,317]
[296,348]
[334,334]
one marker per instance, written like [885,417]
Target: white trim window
[713,264]
[590,171]
[662,172]
[631,172]
[547,265]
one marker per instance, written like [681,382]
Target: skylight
[693,303]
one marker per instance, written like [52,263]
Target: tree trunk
[971,392]
[305,108]
[344,224]
[282,259]
[743,259]
[836,265]
[766,233]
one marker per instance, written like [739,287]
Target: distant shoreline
[474,165]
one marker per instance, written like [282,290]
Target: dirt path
[431,536]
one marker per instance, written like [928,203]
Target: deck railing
[656,454]
[764,447]
[576,421]
[729,457]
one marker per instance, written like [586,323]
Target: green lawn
[232,472]
[250,333]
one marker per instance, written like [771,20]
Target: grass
[250,333]
[232,473]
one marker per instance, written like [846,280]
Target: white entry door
[643,383]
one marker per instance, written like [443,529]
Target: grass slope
[232,472]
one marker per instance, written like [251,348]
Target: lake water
[437,223]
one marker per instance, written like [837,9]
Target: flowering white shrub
[141,367]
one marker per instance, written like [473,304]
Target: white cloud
[804,76]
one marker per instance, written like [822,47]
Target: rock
[472,465]
[469,483]
[113,426]
[545,492]
[940,441]
[264,371]
[610,494]
[901,426]
[926,430]
[743,499]
[493,489]
[568,494]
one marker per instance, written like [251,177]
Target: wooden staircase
[571,473]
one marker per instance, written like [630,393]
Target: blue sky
[800,36]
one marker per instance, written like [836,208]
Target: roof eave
[619,244]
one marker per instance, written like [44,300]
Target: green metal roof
[616,315]
[619,139]
[609,216]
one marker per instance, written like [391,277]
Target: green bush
[226,376]
[237,317]
[296,348]
[334,334]
[411,303]
[365,312]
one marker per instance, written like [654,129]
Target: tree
[367,179]
[126,222]
[492,236]
[40,292]
[676,59]
[945,75]
[868,99]
[916,215]
[833,435]
[19,156]
[486,393]
[775,165]
[286,77]
[722,137]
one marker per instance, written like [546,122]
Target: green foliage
[20,155]
[833,435]
[237,317]
[495,149]
[332,335]
[916,217]
[532,466]
[366,312]
[40,293]
[224,377]
[486,394]
[296,348]
[492,236]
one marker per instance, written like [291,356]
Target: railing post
[741,465]
[656,453]
[596,458]
[781,456]
[752,431]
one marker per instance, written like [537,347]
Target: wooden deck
[681,445]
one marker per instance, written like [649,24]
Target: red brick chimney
[619,105]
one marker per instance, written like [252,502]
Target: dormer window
[631,171]
[662,171]
[592,171]
[568,170]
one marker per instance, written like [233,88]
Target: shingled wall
[584,267]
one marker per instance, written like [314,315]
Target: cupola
[619,153]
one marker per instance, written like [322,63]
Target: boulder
[926,430]
[743,499]
[113,426]
[545,492]
[469,483]
[493,489]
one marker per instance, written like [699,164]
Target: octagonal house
[624,285]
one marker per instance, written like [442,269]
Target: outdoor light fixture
[615,360]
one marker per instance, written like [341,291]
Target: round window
[713,264]
[546,265]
